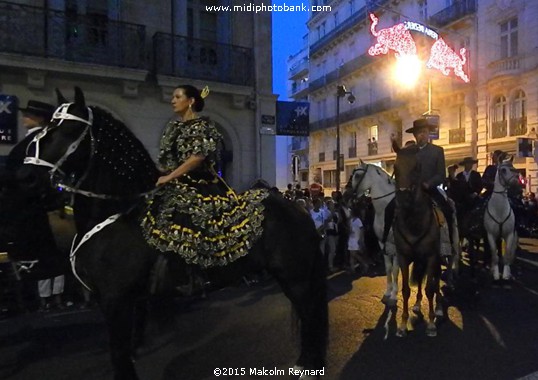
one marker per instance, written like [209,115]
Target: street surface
[491,333]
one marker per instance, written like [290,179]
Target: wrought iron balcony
[352,152]
[456,136]
[346,69]
[454,12]
[89,38]
[518,126]
[498,129]
[199,59]
[299,68]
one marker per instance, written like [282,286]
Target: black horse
[108,169]
[416,234]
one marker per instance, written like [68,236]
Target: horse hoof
[439,313]
[401,333]
[431,332]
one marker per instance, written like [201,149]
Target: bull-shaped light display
[443,58]
[395,38]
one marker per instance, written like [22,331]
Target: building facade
[298,75]
[128,56]
[496,107]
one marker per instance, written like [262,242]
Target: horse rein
[505,191]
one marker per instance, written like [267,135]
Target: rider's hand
[162,180]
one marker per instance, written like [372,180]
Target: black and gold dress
[198,215]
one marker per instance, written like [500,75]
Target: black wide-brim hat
[468,160]
[421,123]
[38,108]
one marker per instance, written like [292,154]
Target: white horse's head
[366,177]
[507,176]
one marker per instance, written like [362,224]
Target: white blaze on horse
[371,178]
[499,218]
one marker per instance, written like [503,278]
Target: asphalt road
[491,333]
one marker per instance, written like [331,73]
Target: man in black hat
[488,178]
[470,181]
[432,162]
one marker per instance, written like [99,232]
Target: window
[372,132]
[499,112]
[353,139]
[518,114]
[519,105]
[499,124]
[509,38]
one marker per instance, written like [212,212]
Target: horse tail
[418,272]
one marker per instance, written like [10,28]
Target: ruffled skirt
[203,220]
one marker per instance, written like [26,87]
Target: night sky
[288,31]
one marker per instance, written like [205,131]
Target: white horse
[368,177]
[499,218]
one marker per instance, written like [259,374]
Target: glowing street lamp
[407,70]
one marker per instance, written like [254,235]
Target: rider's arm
[191,163]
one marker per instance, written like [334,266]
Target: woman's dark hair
[192,92]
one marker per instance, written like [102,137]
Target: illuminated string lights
[443,58]
[395,38]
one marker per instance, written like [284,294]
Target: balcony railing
[198,59]
[456,136]
[454,12]
[90,38]
[299,67]
[297,87]
[518,126]
[372,149]
[359,16]
[498,129]
[352,152]
[348,68]
[321,156]
[510,65]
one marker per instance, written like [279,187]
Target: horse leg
[432,289]
[416,306]
[393,300]
[509,255]
[492,241]
[119,316]
[406,292]
[388,271]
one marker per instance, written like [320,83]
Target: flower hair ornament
[204,92]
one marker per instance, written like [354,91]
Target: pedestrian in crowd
[318,215]
[332,233]
[355,243]
[289,193]
[299,193]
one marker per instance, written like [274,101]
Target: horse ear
[79,97]
[60,98]
[361,162]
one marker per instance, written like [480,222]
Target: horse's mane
[121,165]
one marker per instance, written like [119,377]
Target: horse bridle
[362,177]
[60,114]
[506,183]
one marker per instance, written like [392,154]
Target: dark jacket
[488,178]
[474,185]
[432,159]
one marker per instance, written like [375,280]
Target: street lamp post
[340,93]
